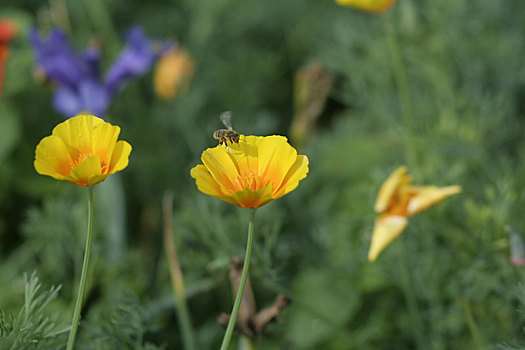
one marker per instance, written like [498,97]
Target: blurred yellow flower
[83,150]
[250,173]
[396,201]
[376,6]
[173,73]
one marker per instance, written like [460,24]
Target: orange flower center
[81,157]
[250,178]
[251,181]
[399,204]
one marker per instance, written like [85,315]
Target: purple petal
[135,59]
[91,97]
[57,58]
[95,98]
[91,60]
[66,101]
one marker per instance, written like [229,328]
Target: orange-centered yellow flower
[83,150]
[173,74]
[376,6]
[250,173]
[396,201]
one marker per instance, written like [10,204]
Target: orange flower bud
[173,74]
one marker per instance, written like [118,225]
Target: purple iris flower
[81,88]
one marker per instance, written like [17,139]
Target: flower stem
[404,95]
[471,323]
[400,72]
[233,317]
[177,281]
[83,277]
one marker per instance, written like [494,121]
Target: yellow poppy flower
[396,201]
[173,73]
[83,150]
[250,173]
[376,6]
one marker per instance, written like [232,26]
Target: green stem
[233,317]
[410,297]
[83,277]
[184,318]
[177,281]
[471,323]
[400,73]
[403,90]
[101,19]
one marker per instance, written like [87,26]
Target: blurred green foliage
[436,85]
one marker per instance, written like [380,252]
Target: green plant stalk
[403,89]
[410,297]
[101,20]
[471,323]
[83,277]
[177,280]
[233,317]
[400,73]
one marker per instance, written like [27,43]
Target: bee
[228,134]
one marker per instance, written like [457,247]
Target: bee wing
[226,119]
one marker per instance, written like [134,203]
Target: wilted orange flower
[83,150]
[250,173]
[173,73]
[7,32]
[397,200]
[376,6]
[311,88]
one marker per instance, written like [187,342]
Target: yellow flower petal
[222,168]
[83,150]
[386,229]
[245,157]
[376,6]
[275,158]
[297,172]
[104,140]
[77,134]
[120,157]
[427,196]
[205,182]
[87,173]
[387,191]
[52,158]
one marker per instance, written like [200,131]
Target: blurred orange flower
[250,173]
[397,200]
[7,32]
[173,73]
[82,150]
[375,6]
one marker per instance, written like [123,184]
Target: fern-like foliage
[33,327]
[125,327]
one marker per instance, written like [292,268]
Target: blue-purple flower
[81,88]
